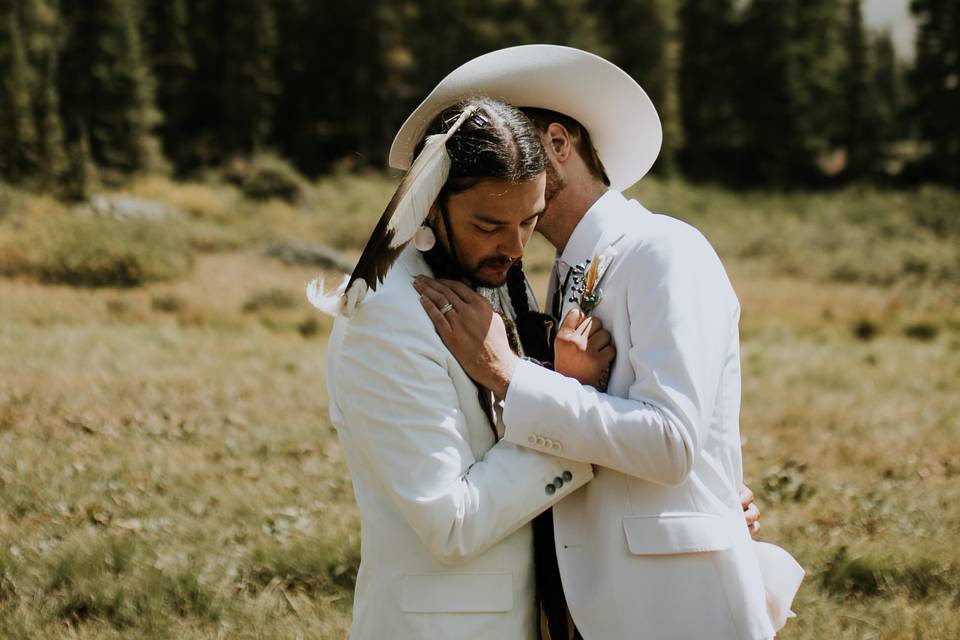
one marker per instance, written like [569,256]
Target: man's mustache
[499,261]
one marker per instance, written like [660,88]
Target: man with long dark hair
[445,503]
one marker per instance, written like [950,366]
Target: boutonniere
[585,290]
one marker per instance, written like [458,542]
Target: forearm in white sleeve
[680,322]
[402,406]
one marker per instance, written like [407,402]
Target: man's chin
[491,284]
[491,278]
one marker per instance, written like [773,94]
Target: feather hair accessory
[400,220]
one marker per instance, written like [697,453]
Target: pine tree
[638,36]
[81,175]
[52,150]
[935,79]
[43,23]
[250,85]
[18,135]
[328,112]
[573,23]
[859,135]
[707,88]
[886,78]
[167,37]
[107,84]
[788,88]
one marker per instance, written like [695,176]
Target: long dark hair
[497,142]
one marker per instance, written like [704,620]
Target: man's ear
[557,141]
[435,220]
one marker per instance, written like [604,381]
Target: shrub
[865,329]
[101,252]
[347,208]
[309,327]
[845,576]
[267,176]
[786,483]
[923,331]
[168,303]
[273,298]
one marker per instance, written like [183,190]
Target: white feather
[353,297]
[429,173]
[330,303]
[399,223]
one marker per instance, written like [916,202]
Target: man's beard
[448,264]
[499,261]
[555,185]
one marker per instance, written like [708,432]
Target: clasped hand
[477,337]
[583,349]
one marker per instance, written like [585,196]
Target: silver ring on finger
[446,307]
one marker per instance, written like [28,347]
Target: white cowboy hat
[621,119]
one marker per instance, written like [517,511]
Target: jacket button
[532,439]
[541,441]
[550,489]
[548,443]
[557,446]
[558,482]
[567,476]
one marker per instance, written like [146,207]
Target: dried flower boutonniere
[586,292]
[586,278]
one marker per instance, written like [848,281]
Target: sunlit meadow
[167,468]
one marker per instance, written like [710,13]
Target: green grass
[167,468]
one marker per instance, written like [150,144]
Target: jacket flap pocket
[457,592]
[676,533]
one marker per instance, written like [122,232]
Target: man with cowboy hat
[655,546]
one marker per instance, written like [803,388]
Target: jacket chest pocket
[676,533]
[457,592]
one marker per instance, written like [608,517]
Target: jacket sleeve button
[550,489]
[567,476]
[532,439]
[558,482]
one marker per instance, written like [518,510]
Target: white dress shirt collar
[587,233]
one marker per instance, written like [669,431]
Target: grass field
[167,469]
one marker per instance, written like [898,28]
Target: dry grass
[167,469]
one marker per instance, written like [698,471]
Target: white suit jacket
[446,545]
[656,546]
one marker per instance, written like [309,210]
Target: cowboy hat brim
[622,121]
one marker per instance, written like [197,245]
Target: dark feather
[406,211]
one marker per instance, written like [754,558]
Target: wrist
[503,376]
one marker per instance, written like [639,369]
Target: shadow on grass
[114,581]
[867,576]
[315,567]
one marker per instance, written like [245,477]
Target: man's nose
[512,244]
